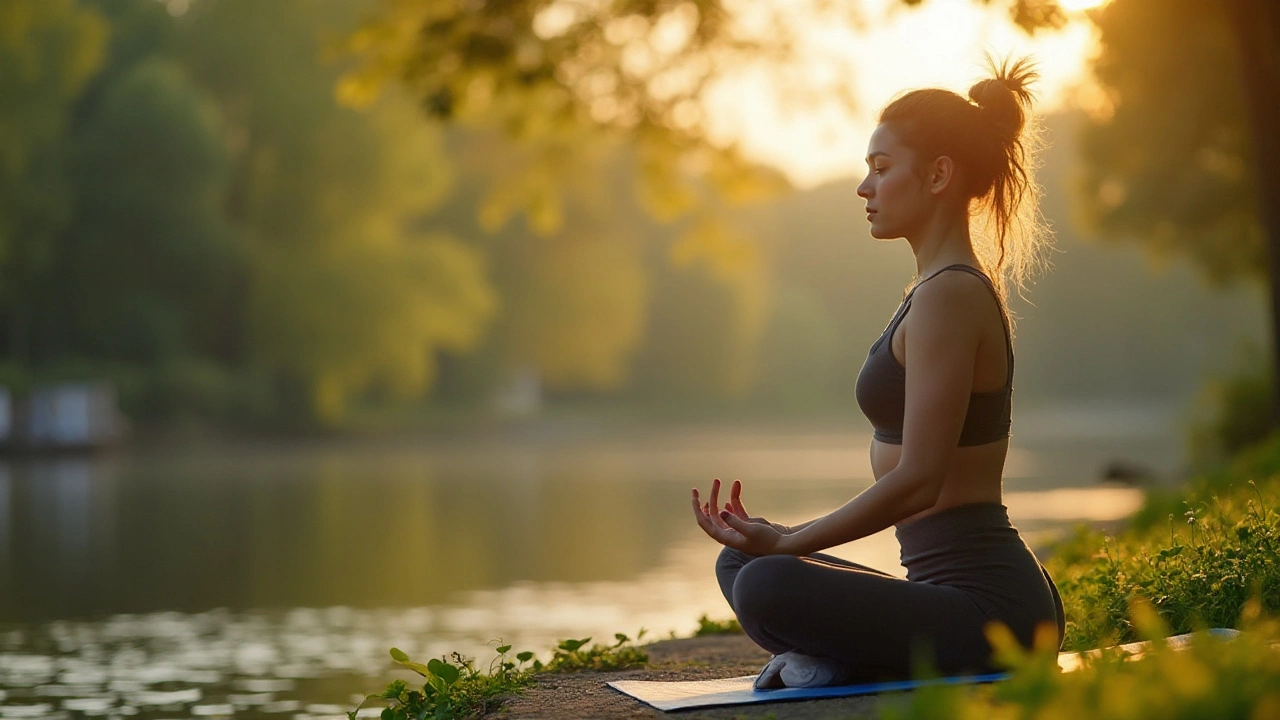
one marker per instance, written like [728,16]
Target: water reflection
[375,528]
[273,581]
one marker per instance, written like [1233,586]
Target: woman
[937,388]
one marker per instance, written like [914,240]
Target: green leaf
[417,667]
[525,656]
[572,645]
[398,655]
[621,638]
[504,649]
[446,672]
[437,683]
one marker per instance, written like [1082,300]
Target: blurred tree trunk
[1257,26]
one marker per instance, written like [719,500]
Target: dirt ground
[585,695]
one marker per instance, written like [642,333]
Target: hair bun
[1005,98]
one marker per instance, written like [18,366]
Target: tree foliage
[153,260]
[346,294]
[1167,160]
[48,51]
[564,80]
[284,209]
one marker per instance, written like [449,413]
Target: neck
[943,241]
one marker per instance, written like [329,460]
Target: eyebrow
[872,156]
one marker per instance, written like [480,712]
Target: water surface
[271,581]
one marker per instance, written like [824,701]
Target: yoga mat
[738,691]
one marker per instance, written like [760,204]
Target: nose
[864,187]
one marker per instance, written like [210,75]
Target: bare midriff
[974,475]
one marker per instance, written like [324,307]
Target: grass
[1217,547]
[455,688]
[707,626]
[1236,679]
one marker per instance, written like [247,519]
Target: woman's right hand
[735,506]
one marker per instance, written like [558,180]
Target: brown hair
[994,141]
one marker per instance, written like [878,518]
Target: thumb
[734,521]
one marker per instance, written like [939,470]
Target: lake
[270,581]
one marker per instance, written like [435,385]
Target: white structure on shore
[66,416]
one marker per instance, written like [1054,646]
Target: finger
[729,508]
[735,498]
[719,532]
[704,522]
[734,522]
[704,508]
[714,510]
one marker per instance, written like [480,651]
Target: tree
[48,50]
[1183,156]
[348,296]
[152,259]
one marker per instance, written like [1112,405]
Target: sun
[937,44]
[1081,5]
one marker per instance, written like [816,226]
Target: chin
[883,234]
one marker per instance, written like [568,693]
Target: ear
[942,173]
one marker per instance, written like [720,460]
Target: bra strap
[1004,320]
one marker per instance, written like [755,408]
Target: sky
[940,43]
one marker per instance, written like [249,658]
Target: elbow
[922,491]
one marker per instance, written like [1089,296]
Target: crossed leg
[875,624]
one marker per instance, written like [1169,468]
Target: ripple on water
[80,673]
[264,685]
[161,697]
[25,711]
[66,690]
[248,699]
[89,706]
[217,710]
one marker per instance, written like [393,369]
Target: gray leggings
[966,567]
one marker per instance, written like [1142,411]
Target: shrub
[1213,678]
[707,626]
[1196,573]
[454,688]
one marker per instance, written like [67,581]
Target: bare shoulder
[957,298]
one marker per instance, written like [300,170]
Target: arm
[797,528]
[941,346]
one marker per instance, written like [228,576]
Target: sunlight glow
[940,43]
[1081,5]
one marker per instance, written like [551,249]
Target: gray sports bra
[882,384]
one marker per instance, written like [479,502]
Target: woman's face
[897,201]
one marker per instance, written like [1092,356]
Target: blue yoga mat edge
[685,695]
